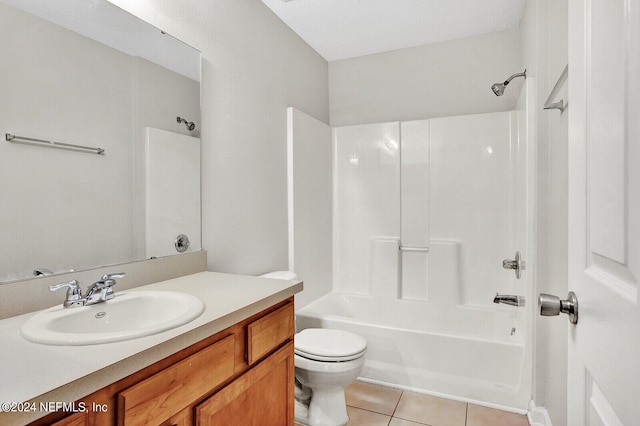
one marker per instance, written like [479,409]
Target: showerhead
[498,88]
[190,124]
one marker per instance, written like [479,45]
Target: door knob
[552,306]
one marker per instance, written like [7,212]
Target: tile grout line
[396,407]
[466,414]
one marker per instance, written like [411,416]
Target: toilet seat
[328,345]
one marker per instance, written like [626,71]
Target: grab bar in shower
[411,248]
[52,144]
[561,104]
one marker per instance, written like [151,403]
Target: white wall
[544,53]
[254,67]
[437,80]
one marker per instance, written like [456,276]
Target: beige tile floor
[373,405]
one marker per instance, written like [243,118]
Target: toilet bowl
[326,361]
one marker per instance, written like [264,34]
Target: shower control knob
[551,305]
[182,243]
[517,265]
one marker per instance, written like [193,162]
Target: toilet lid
[324,344]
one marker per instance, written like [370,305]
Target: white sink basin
[128,316]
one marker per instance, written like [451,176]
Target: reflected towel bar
[561,104]
[52,144]
[409,248]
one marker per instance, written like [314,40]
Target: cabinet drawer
[164,394]
[267,333]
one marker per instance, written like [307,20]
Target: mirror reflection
[88,73]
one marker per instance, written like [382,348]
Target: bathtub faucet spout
[509,299]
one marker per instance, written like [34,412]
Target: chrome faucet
[98,292]
[509,299]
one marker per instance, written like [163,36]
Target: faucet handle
[72,287]
[74,294]
[101,290]
[106,277]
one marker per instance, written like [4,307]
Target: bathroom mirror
[84,72]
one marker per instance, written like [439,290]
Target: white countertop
[42,373]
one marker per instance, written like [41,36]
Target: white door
[604,211]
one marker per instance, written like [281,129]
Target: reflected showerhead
[190,124]
[498,88]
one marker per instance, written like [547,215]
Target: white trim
[290,215]
[538,416]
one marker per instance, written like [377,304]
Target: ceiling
[340,29]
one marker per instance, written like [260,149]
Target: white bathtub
[469,354]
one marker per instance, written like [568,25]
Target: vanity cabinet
[241,375]
[155,399]
[77,419]
[268,382]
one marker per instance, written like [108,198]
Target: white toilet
[326,361]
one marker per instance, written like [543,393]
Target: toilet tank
[281,275]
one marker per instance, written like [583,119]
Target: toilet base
[326,408]
[302,413]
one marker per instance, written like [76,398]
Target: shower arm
[190,124]
[520,74]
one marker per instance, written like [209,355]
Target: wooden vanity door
[77,419]
[257,397]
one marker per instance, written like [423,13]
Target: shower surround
[452,186]
[424,213]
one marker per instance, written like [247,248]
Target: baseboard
[538,416]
